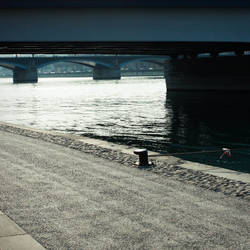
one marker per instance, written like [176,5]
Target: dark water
[139,112]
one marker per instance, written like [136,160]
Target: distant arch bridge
[104,66]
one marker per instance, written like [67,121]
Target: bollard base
[150,164]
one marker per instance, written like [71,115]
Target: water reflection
[135,111]
[210,121]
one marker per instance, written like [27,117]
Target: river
[136,111]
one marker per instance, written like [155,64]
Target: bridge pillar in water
[210,73]
[105,73]
[28,75]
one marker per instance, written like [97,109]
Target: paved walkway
[66,199]
[12,237]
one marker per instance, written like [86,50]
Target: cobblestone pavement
[70,199]
[170,170]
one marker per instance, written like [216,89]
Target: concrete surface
[8,227]
[12,237]
[19,242]
[67,199]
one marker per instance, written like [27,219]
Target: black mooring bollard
[143,156]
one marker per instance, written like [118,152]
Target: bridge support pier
[104,73]
[28,75]
[211,73]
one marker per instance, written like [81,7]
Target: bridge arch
[149,59]
[88,63]
[11,65]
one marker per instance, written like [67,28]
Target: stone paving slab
[19,242]
[12,237]
[8,227]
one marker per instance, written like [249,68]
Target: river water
[138,112]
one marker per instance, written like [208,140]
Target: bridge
[183,30]
[104,66]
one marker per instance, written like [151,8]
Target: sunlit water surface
[136,111]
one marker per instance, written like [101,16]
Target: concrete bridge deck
[68,199]
[124,27]
[135,27]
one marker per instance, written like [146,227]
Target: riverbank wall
[216,179]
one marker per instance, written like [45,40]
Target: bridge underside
[188,72]
[157,30]
[213,73]
[130,48]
